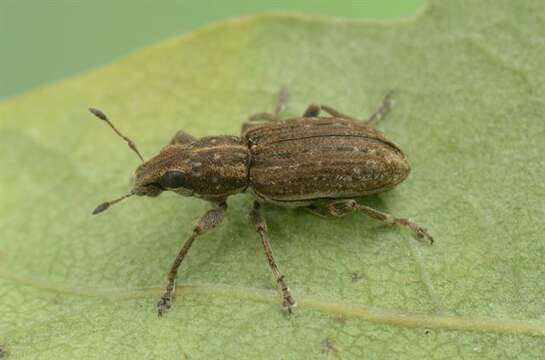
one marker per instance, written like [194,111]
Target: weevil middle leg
[282,100]
[313,110]
[208,221]
[256,120]
[261,227]
[339,208]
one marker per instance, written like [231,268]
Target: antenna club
[99,114]
[101,208]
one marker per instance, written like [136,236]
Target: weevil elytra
[320,163]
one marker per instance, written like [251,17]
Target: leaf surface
[469,90]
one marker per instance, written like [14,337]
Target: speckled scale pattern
[213,167]
[311,158]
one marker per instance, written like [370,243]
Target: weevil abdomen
[299,160]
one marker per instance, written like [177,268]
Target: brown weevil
[320,163]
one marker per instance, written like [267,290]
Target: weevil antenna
[107,204]
[99,114]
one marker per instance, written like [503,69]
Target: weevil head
[211,168]
[167,171]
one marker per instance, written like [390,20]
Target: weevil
[320,163]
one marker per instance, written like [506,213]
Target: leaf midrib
[397,318]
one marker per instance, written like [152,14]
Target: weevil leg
[181,137]
[261,227]
[257,120]
[208,221]
[282,100]
[263,116]
[313,110]
[331,111]
[382,110]
[341,208]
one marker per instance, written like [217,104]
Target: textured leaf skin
[469,113]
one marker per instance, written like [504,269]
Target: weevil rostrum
[320,163]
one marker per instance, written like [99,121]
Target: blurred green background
[45,40]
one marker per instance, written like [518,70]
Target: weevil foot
[288,303]
[164,304]
[422,233]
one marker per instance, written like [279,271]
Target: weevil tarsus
[209,220]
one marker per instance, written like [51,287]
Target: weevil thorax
[211,168]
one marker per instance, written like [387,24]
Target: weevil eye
[172,179]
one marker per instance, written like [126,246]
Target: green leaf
[470,93]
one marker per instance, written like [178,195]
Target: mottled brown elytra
[316,162]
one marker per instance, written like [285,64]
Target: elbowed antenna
[99,114]
[107,204]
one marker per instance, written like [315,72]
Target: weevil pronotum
[320,163]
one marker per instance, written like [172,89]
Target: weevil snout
[144,184]
[166,171]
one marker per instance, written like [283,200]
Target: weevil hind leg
[288,303]
[181,137]
[339,208]
[208,221]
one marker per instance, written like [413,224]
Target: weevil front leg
[261,227]
[208,221]
[341,208]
